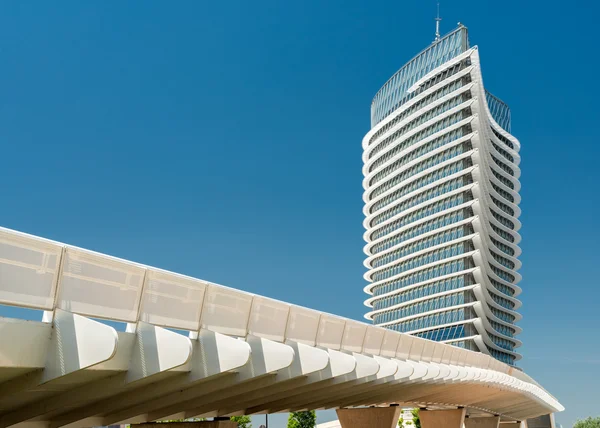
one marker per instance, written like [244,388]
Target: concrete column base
[442,418]
[491,422]
[369,417]
[545,421]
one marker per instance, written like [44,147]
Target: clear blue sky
[222,140]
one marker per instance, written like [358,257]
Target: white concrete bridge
[243,353]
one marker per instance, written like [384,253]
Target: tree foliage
[242,421]
[302,419]
[588,423]
[416,420]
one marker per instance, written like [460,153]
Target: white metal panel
[365,366]
[504,368]
[308,359]
[100,286]
[447,355]
[28,270]
[427,353]
[373,340]
[157,350]
[331,330]
[487,361]
[454,359]
[340,363]
[462,357]
[268,318]
[433,371]
[444,371]
[455,372]
[419,370]
[218,353]
[267,356]
[391,339]
[354,336]
[77,343]
[471,359]
[122,358]
[226,310]
[416,350]
[405,369]
[438,352]
[172,300]
[404,346]
[387,367]
[482,361]
[303,325]
[25,343]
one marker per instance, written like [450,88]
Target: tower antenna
[437,23]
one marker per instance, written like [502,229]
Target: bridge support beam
[442,418]
[369,417]
[484,422]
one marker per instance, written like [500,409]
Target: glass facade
[395,92]
[441,182]
[499,111]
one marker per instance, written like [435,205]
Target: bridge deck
[244,353]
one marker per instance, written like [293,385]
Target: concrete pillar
[545,421]
[514,424]
[442,418]
[484,422]
[369,417]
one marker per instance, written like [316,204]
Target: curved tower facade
[441,204]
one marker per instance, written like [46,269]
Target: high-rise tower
[441,204]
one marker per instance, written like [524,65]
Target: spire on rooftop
[437,23]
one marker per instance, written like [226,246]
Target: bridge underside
[76,371]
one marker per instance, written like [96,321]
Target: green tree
[302,419]
[588,423]
[416,420]
[242,421]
